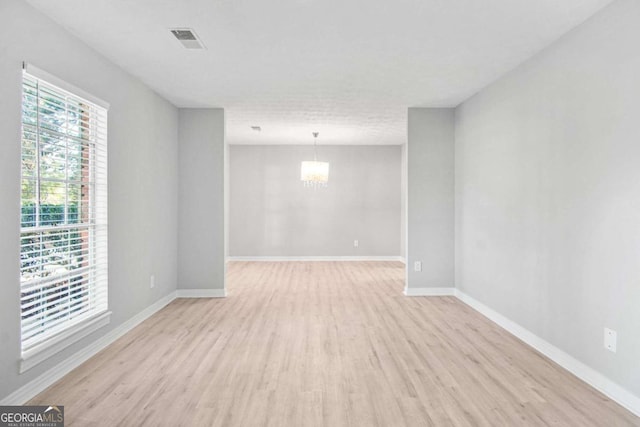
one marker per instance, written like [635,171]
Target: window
[63,230]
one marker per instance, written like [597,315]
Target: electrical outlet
[417,266]
[355,243]
[610,339]
[152,282]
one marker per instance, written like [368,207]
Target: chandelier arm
[315,146]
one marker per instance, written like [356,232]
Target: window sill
[57,343]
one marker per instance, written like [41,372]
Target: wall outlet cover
[610,340]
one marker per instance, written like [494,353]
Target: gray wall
[430,204]
[143,177]
[548,193]
[403,201]
[201,251]
[273,214]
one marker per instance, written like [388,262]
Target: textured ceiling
[346,68]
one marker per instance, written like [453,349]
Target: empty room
[319,213]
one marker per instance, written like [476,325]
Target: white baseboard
[314,258]
[571,364]
[429,292]
[39,384]
[201,293]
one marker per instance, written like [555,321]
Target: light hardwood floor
[324,343]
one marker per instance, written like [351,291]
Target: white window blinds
[63,230]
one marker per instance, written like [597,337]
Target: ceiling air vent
[187,37]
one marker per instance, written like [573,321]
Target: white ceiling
[346,68]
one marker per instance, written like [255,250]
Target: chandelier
[314,173]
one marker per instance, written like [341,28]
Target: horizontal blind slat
[49,316]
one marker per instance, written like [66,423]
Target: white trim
[587,374]
[314,258]
[429,292]
[58,82]
[201,293]
[40,383]
[48,348]
[402,260]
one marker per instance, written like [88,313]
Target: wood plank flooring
[324,344]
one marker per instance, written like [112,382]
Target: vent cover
[187,37]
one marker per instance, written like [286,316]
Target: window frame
[85,323]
